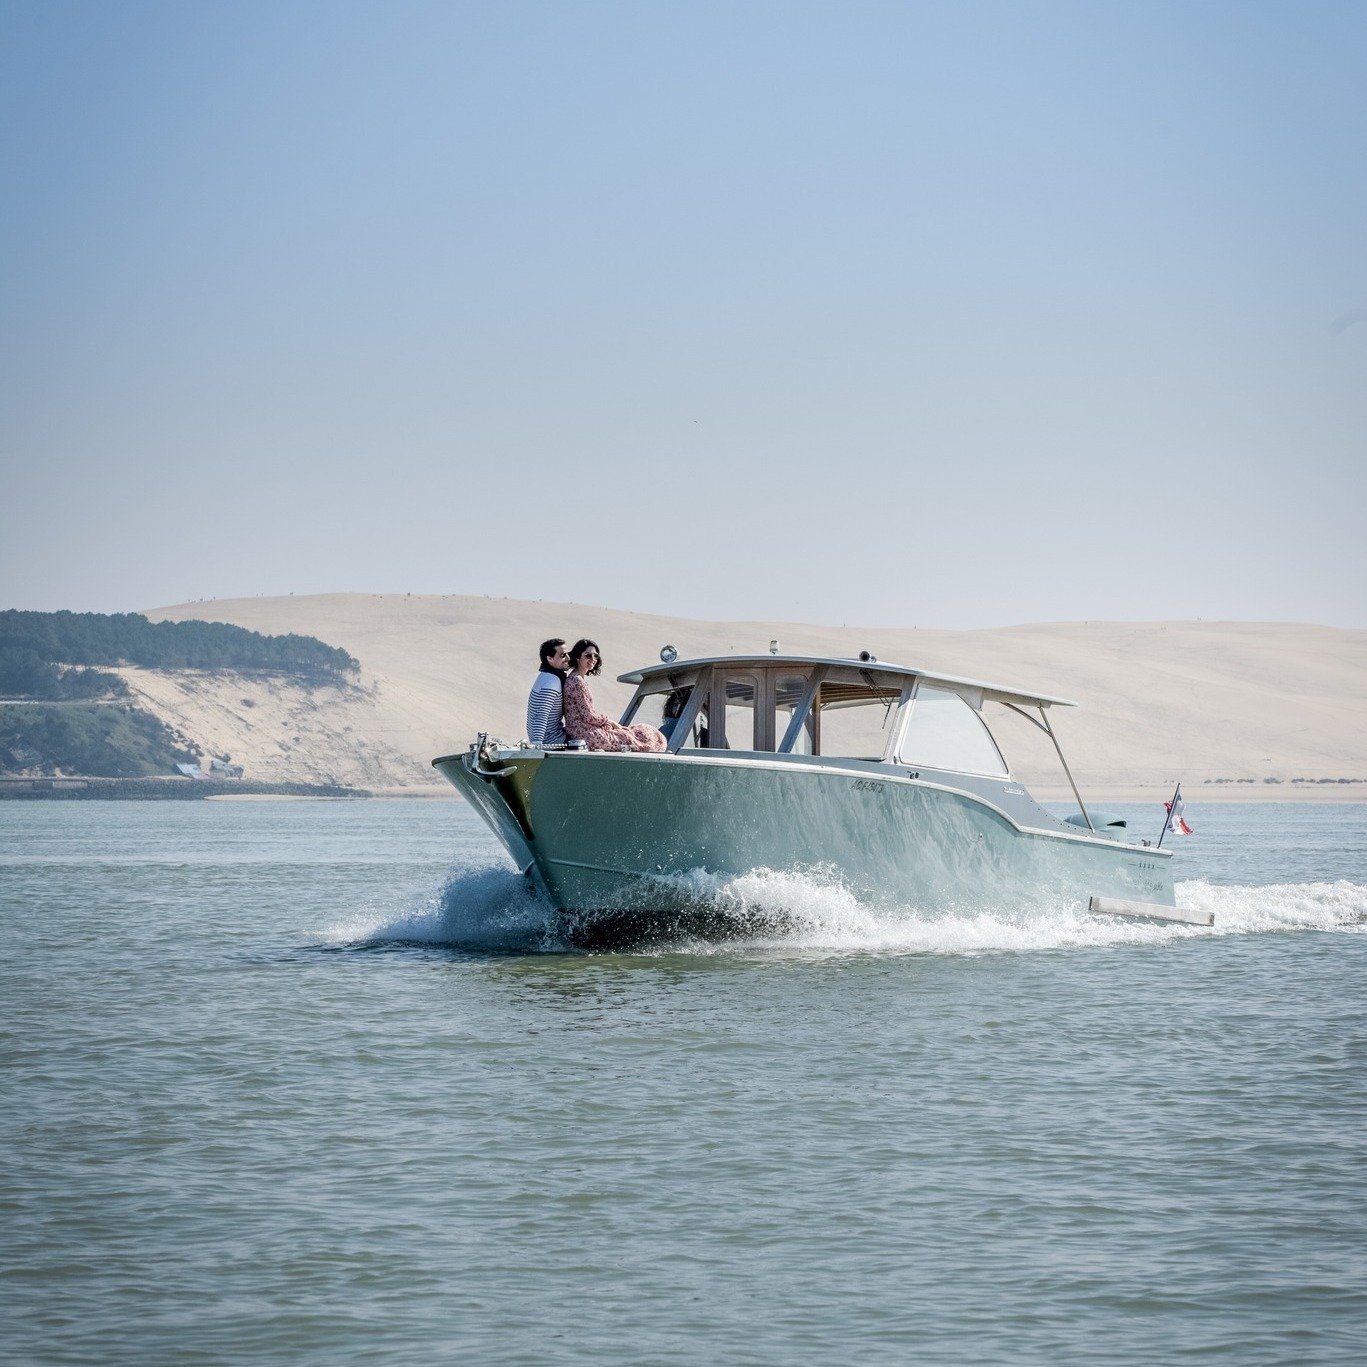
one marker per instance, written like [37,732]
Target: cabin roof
[990,691]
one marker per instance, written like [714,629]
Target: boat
[888,777]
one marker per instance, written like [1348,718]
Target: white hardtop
[986,691]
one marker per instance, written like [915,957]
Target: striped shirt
[545,710]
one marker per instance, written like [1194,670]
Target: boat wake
[812,911]
[489,910]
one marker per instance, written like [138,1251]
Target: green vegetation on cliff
[39,652]
[25,674]
[87,738]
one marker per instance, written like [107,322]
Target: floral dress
[583,722]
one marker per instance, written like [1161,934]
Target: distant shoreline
[77,788]
[1309,794]
[1187,700]
[1343,793]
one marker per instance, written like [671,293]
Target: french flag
[1177,823]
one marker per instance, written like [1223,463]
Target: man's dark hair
[548,648]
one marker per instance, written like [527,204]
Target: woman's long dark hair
[580,646]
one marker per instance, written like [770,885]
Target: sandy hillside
[1159,701]
[280,733]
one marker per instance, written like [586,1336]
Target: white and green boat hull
[611,832]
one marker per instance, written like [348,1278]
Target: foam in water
[493,909]
[1340,905]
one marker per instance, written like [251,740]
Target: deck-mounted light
[668,655]
[867,658]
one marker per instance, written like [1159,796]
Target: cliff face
[278,730]
[1159,701]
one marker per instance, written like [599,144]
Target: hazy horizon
[871,625]
[891,314]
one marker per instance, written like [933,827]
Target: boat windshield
[841,710]
[944,732]
[741,692]
[855,724]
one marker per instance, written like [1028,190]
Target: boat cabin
[851,709]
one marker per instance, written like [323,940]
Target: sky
[907,314]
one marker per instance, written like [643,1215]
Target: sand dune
[1198,701]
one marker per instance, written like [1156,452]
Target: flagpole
[1167,820]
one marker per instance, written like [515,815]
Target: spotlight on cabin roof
[868,658]
[668,655]
[773,647]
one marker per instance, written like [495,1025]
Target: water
[319,1082]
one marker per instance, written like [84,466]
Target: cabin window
[855,724]
[698,737]
[649,709]
[740,692]
[789,691]
[664,708]
[672,707]
[946,733]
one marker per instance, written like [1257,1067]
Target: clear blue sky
[909,314]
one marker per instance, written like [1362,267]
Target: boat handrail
[1048,730]
[480,753]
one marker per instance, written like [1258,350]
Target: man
[546,702]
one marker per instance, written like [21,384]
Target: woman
[584,722]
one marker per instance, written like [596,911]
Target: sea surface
[320,1082]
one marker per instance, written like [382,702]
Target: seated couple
[560,707]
